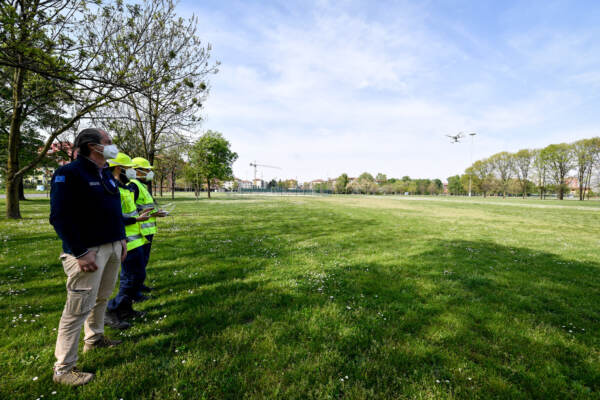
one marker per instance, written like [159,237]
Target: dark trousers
[133,272]
[147,247]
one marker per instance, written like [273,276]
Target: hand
[160,213]
[123,249]
[144,216]
[87,263]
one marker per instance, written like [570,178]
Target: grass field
[329,297]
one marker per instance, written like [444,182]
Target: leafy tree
[193,177]
[455,187]
[504,165]
[585,154]
[560,162]
[482,172]
[522,166]
[540,166]
[211,158]
[381,179]
[341,183]
[68,58]
[366,183]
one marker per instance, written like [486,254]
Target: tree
[177,65]
[68,58]
[540,166]
[211,158]
[341,183]
[504,165]
[193,177]
[585,154]
[381,179]
[366,183]
[522,165]
[560,162]
[482,173]
[455,187]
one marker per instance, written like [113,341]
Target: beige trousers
[87,294]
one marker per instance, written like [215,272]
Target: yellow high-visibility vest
[133,232]
[144,202]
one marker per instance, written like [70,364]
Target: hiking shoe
[140,298]
[74,377]
[102,342]
[112,319]
[131,314]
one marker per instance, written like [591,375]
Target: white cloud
[335,92]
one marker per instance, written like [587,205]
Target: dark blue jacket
[85,206]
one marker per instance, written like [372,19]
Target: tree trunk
[208,187]
[161,186]
[21,189]
[12,180]
[173,185]
[560,192]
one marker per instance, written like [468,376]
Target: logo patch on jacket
[94,183]
[59,178]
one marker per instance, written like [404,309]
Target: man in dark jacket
[85,210]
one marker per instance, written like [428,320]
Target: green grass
[329,297]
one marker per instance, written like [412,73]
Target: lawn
[329,297]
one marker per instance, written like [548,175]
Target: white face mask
[149,176]
[130,173]
[109,151]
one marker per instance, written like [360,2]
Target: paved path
[29,195]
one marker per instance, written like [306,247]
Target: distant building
[60,153]
[573,186]
[259,184]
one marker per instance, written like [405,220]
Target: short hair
[85,137]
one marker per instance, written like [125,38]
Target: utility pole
[471,162]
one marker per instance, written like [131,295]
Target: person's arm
[62,197]
[135,189]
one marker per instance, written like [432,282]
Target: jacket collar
[89,164]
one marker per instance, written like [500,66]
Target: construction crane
[254,164]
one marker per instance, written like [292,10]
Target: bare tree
[167,112]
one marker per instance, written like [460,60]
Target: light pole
[471,164]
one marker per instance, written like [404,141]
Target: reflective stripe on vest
[144,202]
[147,225]
[141,207]
[131,214]
[132,238]
[133,232]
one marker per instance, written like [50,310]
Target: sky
[320,88]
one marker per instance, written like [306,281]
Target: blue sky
[324,87]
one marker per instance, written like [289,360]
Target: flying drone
[456,138]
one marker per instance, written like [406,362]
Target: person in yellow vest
[120,308]
[144,201]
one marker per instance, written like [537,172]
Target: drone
[456,138]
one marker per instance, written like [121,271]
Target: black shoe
[112,319]
[146,289]
[140,299]
[131,314]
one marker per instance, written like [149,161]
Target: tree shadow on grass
[484,320]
